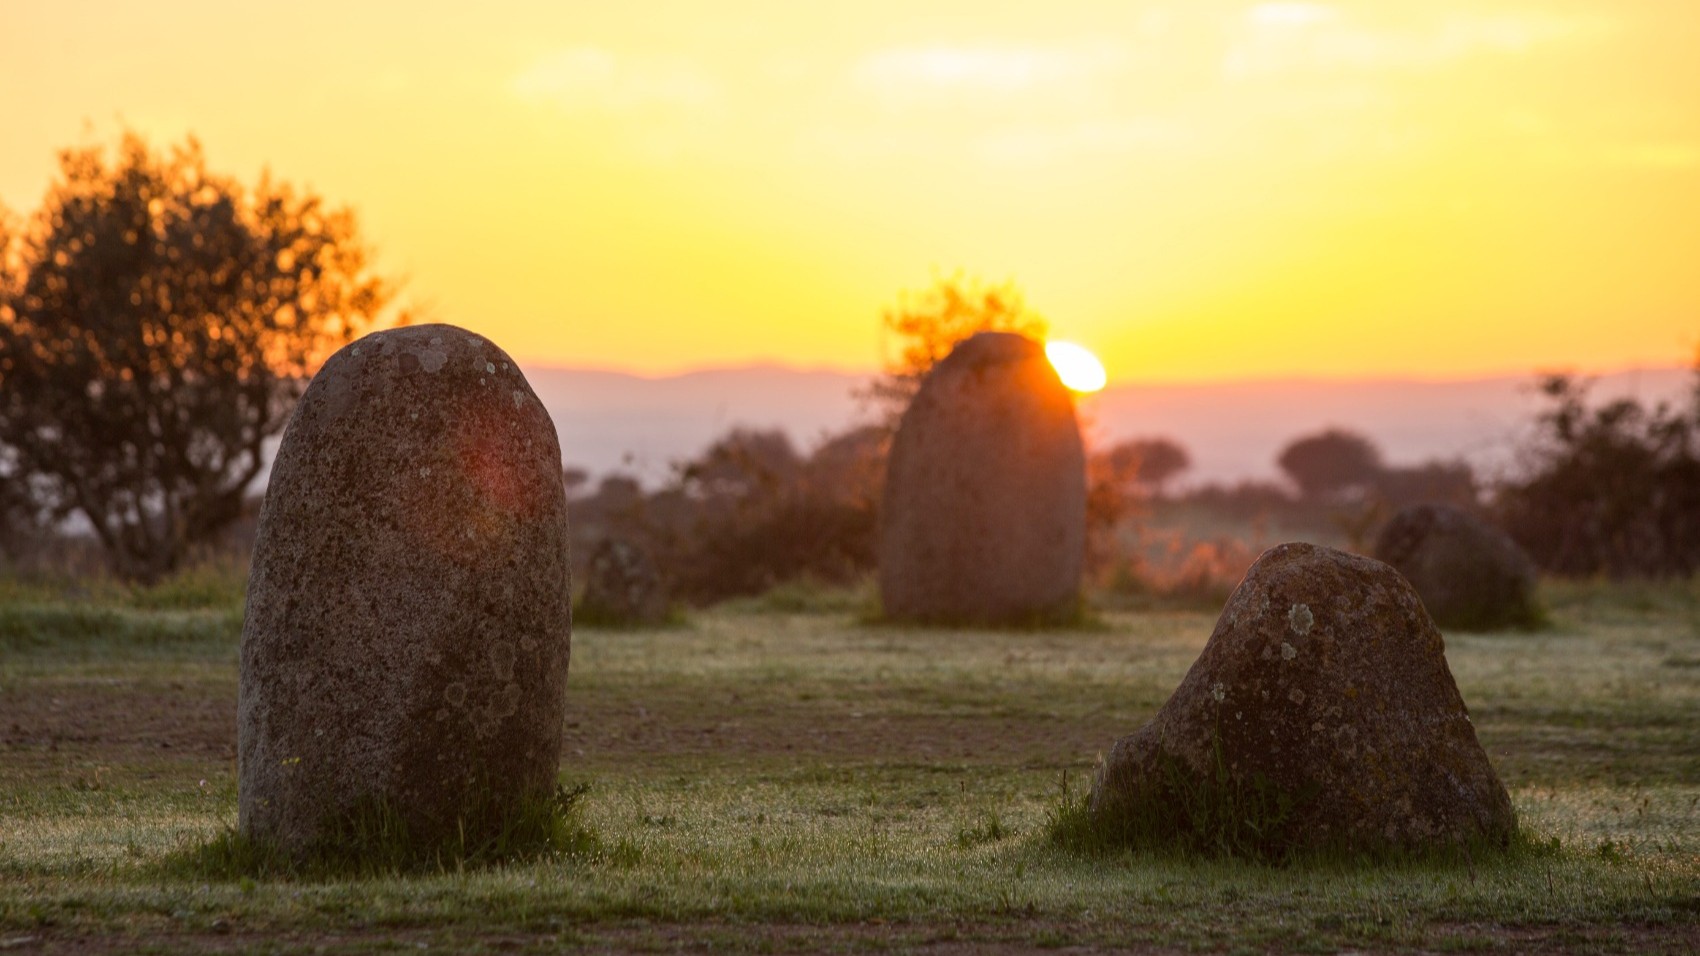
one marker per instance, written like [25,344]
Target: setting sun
[1079,369]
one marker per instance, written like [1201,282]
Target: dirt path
[118,723]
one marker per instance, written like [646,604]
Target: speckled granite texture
[1326,680]
[984,515]
[408,622]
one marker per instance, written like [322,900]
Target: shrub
[1612,489]
[749,513]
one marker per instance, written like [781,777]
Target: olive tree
[1330,462]
[1147,462]
[160,325]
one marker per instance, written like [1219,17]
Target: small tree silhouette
[1149,463]
[1330,462]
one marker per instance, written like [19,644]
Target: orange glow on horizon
[1210,190]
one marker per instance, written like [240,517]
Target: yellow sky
[1194,190]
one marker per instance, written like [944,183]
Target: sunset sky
[1195,190]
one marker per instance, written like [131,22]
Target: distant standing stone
[1470,574]
[408,621]
[1325,683]
[984,514]
[622,586]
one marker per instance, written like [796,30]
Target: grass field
[775,776]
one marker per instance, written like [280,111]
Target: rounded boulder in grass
[1320,715]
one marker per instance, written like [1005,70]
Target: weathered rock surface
[408,620]
[1470,574]
[622,586]
[984,511]
[1324,682]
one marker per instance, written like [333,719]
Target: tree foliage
[21,513]
[1119,481]
[742,464]
[1149,463]
[761,514]
[750,512]
[1330,462]
[1609,489]
[930,323]
[162,322]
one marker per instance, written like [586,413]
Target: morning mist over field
[641,426]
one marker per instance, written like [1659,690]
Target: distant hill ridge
[615,421]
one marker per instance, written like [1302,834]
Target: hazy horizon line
[1262,380]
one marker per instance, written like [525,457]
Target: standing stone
[1324,690]
[984,514]
[1470,574]
[622,587]
[408,620]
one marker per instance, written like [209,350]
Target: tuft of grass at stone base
[374,840]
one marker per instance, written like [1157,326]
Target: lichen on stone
[1372,725]
[1300,619]
[379,642]
[432,360]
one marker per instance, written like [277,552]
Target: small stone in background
[1470,574]
[622,587]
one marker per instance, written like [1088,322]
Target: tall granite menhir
[984,516]
[408,621]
